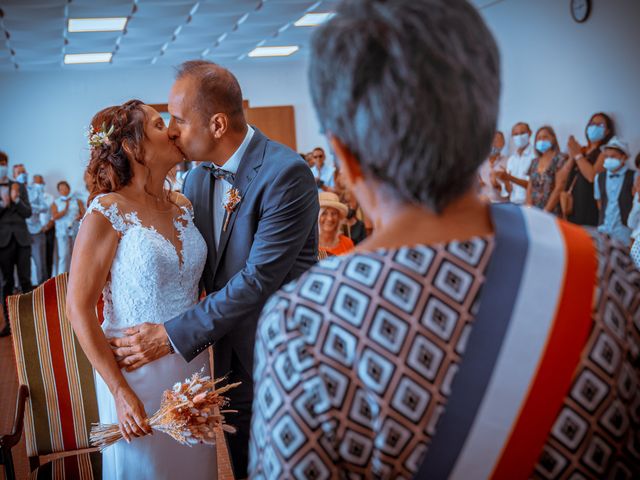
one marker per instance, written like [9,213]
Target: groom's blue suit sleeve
[289,213]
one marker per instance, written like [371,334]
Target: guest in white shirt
[38,224]
[66,211]
[516,175]
[490,187]
[324,174]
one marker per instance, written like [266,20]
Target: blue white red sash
[532,324]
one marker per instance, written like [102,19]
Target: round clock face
[580,10]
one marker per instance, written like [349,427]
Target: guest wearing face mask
[15,241]
[578,203]
[491,188]
[67,211]
[613,191]
[545,178]
[38,224]
[516,175]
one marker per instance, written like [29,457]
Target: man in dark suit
[265,239]
[15,240]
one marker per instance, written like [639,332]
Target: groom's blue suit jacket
[270,240]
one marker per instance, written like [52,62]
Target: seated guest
[613,190]
[490,187]
[462,339]
[323,173]
[66,211]
[544,187]
[586,164]
[515,176]
[332,215]
[15,241]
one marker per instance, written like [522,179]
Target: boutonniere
[230,204]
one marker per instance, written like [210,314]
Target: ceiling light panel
[281,51]
[313,19]
[76,58]
[111,24]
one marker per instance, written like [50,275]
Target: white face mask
[611,164]
[521,141]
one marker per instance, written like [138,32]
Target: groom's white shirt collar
[232,164]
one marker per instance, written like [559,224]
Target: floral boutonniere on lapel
[230,204]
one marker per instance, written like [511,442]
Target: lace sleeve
[110,212]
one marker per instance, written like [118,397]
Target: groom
[256,205]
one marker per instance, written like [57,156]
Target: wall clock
[580,10]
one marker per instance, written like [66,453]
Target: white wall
[559,72]
[554,71]
[45,114]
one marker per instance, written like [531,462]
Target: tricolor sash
[533,321]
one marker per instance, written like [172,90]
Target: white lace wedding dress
[151,280]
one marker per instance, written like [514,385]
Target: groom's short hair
[217,91]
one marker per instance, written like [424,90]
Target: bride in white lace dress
[139,248]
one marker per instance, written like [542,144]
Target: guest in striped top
[461,340]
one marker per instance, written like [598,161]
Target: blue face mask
[611,164]
[595,133]
[3,171]
[38,187]
[543,145]
[23,178]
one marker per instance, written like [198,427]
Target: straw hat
[331,200]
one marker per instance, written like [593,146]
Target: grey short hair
[411,87]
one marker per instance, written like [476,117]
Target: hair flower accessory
[101,137]
[230,204]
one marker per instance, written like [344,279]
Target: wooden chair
[56,402]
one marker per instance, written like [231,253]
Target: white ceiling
[159,32]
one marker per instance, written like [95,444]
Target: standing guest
[544,186]
[633,222]
[490,188]
[66,212]
[323,173]
[463,339]
[37,224]
[333,214]
[613,191]
[354,223]
[516,175]
[15,241]
[20,174]
[586,164]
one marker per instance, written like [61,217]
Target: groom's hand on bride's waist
[141,344]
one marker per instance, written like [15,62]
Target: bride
[139,248]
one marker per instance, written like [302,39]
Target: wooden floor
[8,391]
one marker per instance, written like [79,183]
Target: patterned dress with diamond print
[360,365]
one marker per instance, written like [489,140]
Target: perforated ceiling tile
[34,36]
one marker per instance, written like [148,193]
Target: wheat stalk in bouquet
[189,412]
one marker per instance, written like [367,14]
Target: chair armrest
[11,439]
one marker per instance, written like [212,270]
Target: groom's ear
[218,124]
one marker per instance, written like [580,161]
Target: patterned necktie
[220,174]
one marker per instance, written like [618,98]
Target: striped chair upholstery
[84,465]
[62,401]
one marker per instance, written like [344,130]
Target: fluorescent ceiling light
[72,58]
[313,19]
[274,51]
[113,24]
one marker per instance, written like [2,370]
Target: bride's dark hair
[109,166]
